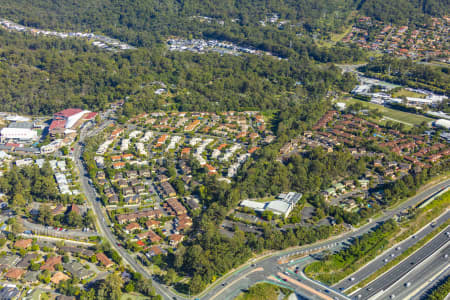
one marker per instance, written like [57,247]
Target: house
[122,183]
[58,277]
[101,175]
[118,165]
[150,234]
[127,156]
[139,189]
[31,277]
[59,209]
[168,189]
[26,260]
[77,270]
[155,250]
[132,199]
[175,239]
[74,208]
[144,173]
[132,174]
[117,177]
[183,222]
[113,199]
[15,274]
[175,206]
[131,217]
[108,192]
[185,152]
[151,224]
[104,260]
[127,191]
[132,227]
[211,169]
[51,262]
[23,243]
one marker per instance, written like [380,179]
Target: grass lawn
[336,37]
[133,296]
[406,93]
[263,291]
[392,114]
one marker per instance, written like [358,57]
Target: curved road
[269,264]
[105,230]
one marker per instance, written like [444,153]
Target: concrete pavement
[391,277]
[269,265]
[389,255]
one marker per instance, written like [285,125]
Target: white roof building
[259,206]
[442,123]
[22,134]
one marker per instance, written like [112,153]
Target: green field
[133,296]
[392,114]
[264,291]
[406,93]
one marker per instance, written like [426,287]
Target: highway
[270,263]
[229,287]
[394,275]
[412,284]
[388,255]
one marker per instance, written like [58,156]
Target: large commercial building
[67,119]
[282,206]
[18,134]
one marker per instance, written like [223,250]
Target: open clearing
[392,114]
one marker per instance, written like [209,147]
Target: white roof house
[442,123]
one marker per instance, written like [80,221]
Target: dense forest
[404,11]
[42,75]
[406,72]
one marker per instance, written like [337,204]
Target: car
[385,260]
[413,236]
[352,279]
[445,255]
[369,289]
[407,284]
[392,254]
[398,248]
[392,296]
[252,265]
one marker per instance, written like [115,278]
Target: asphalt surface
[394,275]
[410,284]
[270,264]
[431,284]
[388,256]
[234,284]
[105,230]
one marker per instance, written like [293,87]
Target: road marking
[234,281]
[304,286]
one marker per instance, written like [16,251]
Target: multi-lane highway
[413,283]
[270,263]
[244,276]
[389,255]
[395,275]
